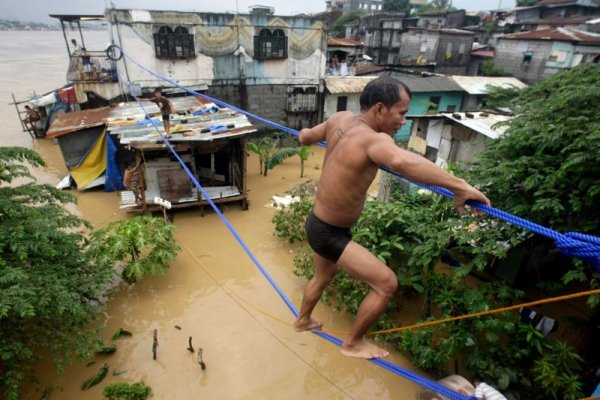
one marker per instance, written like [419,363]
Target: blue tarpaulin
[114,180]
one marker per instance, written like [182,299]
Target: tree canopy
[53,277]
[338,29]
[397,6]
[546,166]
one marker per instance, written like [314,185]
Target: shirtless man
[356,147]
[166,109]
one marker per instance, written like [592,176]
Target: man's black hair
[385,90]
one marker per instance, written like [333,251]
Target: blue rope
[572,244]
[429,384]
[578,245]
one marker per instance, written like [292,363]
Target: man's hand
[468,192]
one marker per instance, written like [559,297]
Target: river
[212,291]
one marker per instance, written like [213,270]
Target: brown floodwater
[212,291]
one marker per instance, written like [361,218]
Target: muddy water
[217,296]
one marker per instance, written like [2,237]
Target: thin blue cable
[429,384]
[576,244]
[572,244]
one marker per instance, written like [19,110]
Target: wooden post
[154,344]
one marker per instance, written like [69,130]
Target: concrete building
[267,64]
[448,49]
[442,20]
[532,56]
[430,95]
[367,5]
[455,137]
[381,34]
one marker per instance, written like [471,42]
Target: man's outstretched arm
[383,151]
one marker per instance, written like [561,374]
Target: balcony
[93,66]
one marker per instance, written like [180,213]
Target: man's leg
[359,263]
[167,125]
[324,272]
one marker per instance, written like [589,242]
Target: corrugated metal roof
[482,124]
[196,120]
[556,34]
[559,21]
[343,42]
[355,84]
[478,84]
[76,121]
[448,31]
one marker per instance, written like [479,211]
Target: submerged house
[98,144]
[454,137]
[266,64]
[210,140]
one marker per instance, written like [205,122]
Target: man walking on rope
[356,147]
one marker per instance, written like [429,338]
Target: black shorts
[165,117]
[326,240]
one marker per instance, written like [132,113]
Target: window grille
[178,44]
[270,45]
[342,103]
[302,99]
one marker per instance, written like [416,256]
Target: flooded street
[212,292]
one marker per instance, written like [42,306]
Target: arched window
[178,44]
[270,45]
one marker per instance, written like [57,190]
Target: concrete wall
[419,43]
[330,106]
[509,57]
[224,46]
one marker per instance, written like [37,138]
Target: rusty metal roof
[355,84]
[479,84]
[555,34]
[560,21]
[76,121]
[343,42]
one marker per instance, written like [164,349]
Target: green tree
[489,69]
[49,286]
[526,3]
[437,6]
[53,274]
[546,166]
[497,96]
[269,152]
[338,29]
[397,6]
[143,244]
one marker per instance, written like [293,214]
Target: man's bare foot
[363,349]
[309,324]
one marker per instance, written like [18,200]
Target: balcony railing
[93,66]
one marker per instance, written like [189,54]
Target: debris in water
[94,380]
[202,365]
[121,332]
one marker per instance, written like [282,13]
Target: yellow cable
[489,312]
[260,310]
[414,326]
